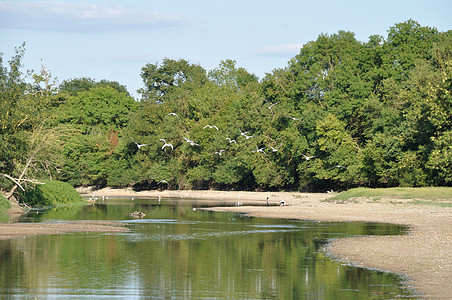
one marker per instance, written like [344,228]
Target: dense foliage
[51,193]
[343,113]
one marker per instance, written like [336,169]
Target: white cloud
[282,50]
[67,16]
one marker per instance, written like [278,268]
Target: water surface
[176,252]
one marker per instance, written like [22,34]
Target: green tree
[29,148]
[98,115]
[159,80]
[75,86]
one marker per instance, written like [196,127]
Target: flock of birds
[221,151]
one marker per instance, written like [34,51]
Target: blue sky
[113,40]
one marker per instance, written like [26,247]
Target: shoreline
[423,255]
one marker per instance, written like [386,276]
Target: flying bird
[139,145]
[337,166]
[271,105]
[166,144]
[192,143]
[220,152]
[162,181]
[243,133]
[210,126]
[231,141]
[295,119]
[172,114]
[276,149]
[308,157]
[259,150]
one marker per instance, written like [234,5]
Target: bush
[51,193]
[4,203]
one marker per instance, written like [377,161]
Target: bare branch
[16,181]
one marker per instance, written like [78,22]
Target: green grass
[4,203]
[424,193]
[51,193]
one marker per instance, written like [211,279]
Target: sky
[113,40]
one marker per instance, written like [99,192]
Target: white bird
[337,166]
[220,152]
[260,150]
[295,119]
[276,149]
[166,144]
[193,143]
[307,157]
[172,114]
[271,105]
[162,181]
[231,141]
[282,203]
[244,134]
[139,145]
[211,126]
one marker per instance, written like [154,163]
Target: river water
[177,252]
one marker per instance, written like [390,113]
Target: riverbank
[424,255]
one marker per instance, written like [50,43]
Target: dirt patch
[18,230]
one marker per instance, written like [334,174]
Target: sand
[423,256]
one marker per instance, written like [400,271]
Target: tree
[74,86]
[29,146]
[97,115]
[159,80]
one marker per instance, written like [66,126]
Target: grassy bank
[4,204]
[422,195]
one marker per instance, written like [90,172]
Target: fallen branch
[16,181]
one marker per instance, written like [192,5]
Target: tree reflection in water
[176,252]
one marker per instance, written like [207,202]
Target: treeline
[342,113]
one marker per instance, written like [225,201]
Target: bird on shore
[308,157]
[138,145]
[268,203]
[210,126]
[282,203]
[166,144]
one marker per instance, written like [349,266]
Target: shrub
[4,203]
[51,193]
